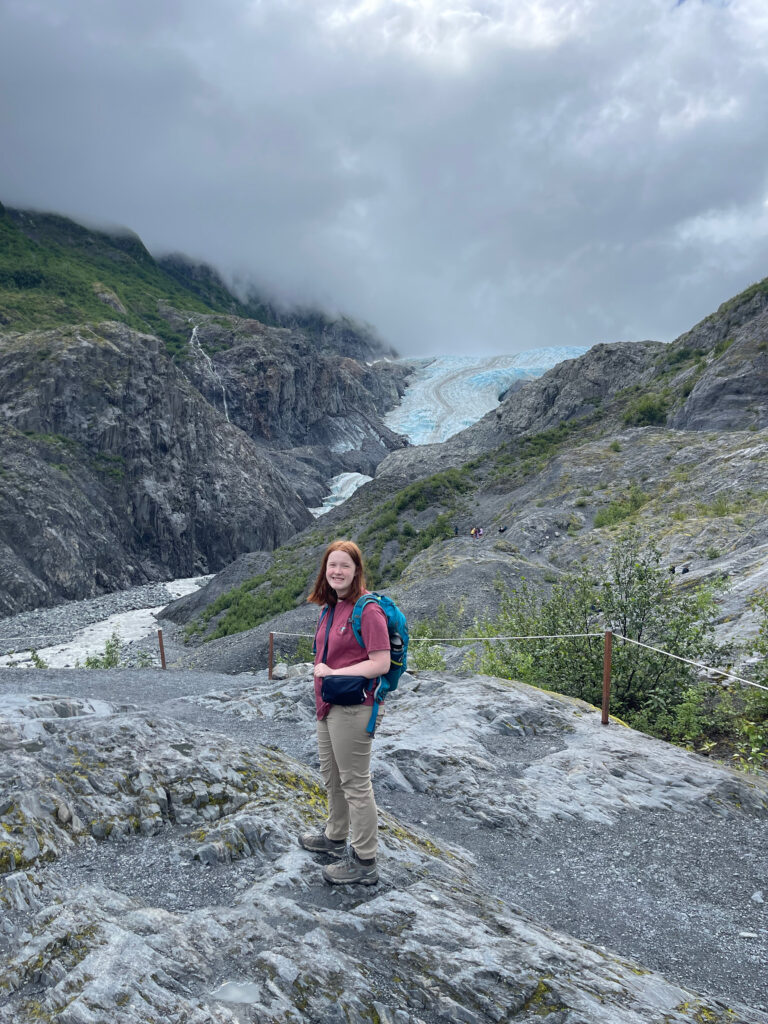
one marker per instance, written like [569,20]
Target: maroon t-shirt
[343,648]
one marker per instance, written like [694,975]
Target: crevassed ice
[449,393]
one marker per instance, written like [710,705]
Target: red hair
[323,593]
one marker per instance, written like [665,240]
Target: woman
[343,744]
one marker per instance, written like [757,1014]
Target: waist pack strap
[331,610]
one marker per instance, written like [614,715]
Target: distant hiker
[473,532]
[455,530]
[343,743]
[479,533]
[502,529]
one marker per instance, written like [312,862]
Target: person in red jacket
[344,746]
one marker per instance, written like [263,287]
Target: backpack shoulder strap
[357,615]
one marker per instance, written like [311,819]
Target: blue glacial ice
[446,394]
[449,393]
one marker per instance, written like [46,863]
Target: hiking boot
[318,842]
[352,871]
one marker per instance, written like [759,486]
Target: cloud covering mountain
[487,176]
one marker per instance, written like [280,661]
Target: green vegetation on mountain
[54,272]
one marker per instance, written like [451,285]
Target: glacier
[446,394]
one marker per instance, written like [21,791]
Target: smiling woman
[345,674]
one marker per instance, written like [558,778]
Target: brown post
[607,652]
[271,659]
[162,649]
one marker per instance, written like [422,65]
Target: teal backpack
[398,646]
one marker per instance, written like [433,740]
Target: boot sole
[323,852]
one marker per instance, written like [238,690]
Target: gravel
[45,627]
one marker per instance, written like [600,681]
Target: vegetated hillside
[672,438]
[172,437]
[54,271]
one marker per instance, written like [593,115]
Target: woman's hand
[376,664]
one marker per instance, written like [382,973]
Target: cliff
[116,470]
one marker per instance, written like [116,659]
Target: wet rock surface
[535,865]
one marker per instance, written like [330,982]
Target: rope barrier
[565,636]
[688,661]
[469,639]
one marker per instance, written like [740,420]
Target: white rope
[469,639]
[696,664]
[566,636]
[489,639]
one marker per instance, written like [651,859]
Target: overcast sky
[467,175]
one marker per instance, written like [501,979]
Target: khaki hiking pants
[345,766]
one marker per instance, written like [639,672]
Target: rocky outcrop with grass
[149,870]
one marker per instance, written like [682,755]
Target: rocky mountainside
[319,412]
[116,470]
[535,865]
[671,438]
[130,456]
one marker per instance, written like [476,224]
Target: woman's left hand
[322,670]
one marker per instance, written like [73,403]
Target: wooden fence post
[162,649]
[607,653]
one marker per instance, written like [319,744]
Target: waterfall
[194,342]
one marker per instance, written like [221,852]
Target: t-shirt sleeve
[374,629]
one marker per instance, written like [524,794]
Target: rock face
[732,394]
[149,870]
[116,470]
[319,412]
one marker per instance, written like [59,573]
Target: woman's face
[340,572]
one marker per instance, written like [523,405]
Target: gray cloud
[486,176]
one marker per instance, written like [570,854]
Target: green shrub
[647,410]
[636,599]
[111,656]
[621,509]
[426,657]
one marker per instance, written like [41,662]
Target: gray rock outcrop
[115,470]
[149,871]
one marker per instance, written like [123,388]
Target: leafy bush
[423,657]
[647,410]
[111,656]
[444,623]
[637,599]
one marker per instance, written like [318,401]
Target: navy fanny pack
[344,689]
